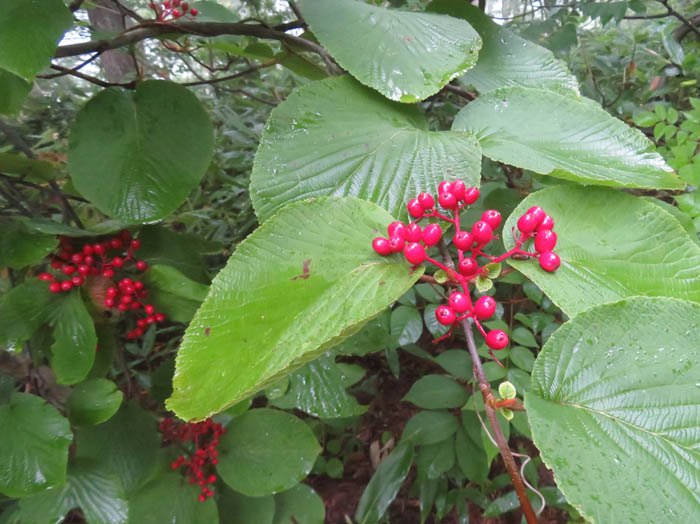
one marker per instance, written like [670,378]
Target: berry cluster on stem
[201,456]
[171,10]
[413,240]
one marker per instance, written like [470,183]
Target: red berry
[135,244]
[432,234]
[175,464]
[126,281]
[160,317]
[202,498]
[492,218]
[48,277]
[109,302]
[83,269]
[66,285]
[414,233]
[138,332]
[134,306]
[468,267]
[426,200]
[444,187]
[177,13]
[538,213]
[194,12]
[129,290]
[496,339]
[87,249]
[396,244]
[459,302]
[99,249]
[117,261]
[447,200]
[112,292]
[108,273]
[471,195]
[122,307]
[54,287]
[184,7]
[141,323]
[414,253]
[549,261]
[77,281]
[116,243]
[76,258]
[482,232]
[527,223]
[415,209]
[138,286]
[89,260]
[463,240]
[149,309]
[381,246]
[127,299]
[484,308]
[68,269]
[545,240]
[547,223]
[56,264]
[445,315]
[211,479]
[458,189]
[396,229]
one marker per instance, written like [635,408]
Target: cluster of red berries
[172,10]
[200,464]
[102,260]
[413,240]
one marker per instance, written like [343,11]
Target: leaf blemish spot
[304,270]
[207,331]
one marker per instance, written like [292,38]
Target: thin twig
[73,69]
[22,182]
[92,79]
[231,77]
[460,91]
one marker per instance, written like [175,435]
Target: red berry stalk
[413,240]
[200,440]
[171,10]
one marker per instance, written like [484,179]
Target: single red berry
[174,464]
[54,287]
[117,261]
[99,249]
[547,223]
[484,308]
[482,232]
[134,306]
[177,13]
[126,281]
[76,258]
[194,12]
[48,277]
[127,299]
[445,315]
[496,339]
[202,498]
[414,253]
[141,323]
[89,260]
[112,292]
[414,233]
[149,309]
[108,273]
[185,6]
[56,264]
[447,200]
[77,281]
[396,229]
[138,286]
[492,218]
[538,213]
[545,240]
[426,200]
[444,187]
[83,269]
[549,261]
[468,267]
[138,332]
[68,269]
[87,249]
[459,302]
[527,223]
[66,285]
[458,189]
[432,234]
[471,195]
[109,302]
[116,243]
[381,246]
[414,208]
[135,244]
[396,244]
[463,240]
[211,479]
[160,317]
[122,307]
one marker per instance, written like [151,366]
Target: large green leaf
[619,385]
[235,508]
[33,445]
[336,137]
[565,137]
[23,310]
[299,284]
[405,56]
[436,392]
[75,340]
[21,247]
[29,32]
[99,495]
[13,91]
[300,504]
[93,402]
[612,246]
[137,156]
[318,389]
[506,59]
[266,451]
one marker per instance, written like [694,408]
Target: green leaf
[169,498]
[384,485]
[299,284]
[506,390]
[406,325]
[99,495]
[436,392]
[619,384]
[524,337]
[612,245]
[20,247]
[235,508]
[13,91]
[93,402]
[522,357]
[75,340]
[23,310]
[470,455]
[506,59]
[429,427]
[137,156]
[404,55]
[483,284]
[266,451]
[457,362]
[32,170]
[33,446]
[301,504]
[645,119]
[171,292]
[126,445]
[374,336]
[29,33]
[210,11]
[318,389]
[565,137]
[435,459]
[336,137]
